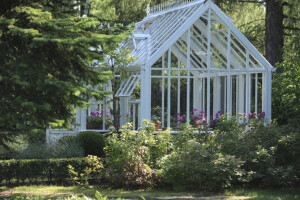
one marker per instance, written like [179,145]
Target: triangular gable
[167,29]
[176,34]
[161,29]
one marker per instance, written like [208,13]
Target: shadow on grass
[152,194]
[270,194]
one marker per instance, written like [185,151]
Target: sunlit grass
[60,190]
[268,194]
[254,194]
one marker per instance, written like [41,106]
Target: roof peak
[170,4]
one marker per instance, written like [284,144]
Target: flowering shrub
[132,156]
[199,119]
[95,120]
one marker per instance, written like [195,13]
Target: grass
[54,191]
[73,190]
[269,194]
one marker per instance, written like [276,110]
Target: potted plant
[157,123]
[156,117]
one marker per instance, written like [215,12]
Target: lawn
[56,191]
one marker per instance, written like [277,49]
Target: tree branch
[285,4]
[249,1]
[291,28]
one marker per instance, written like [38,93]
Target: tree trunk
[274,31]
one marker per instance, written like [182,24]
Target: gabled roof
[166,29]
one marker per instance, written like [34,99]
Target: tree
[280,16]
[47,64]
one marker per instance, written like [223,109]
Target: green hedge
[92,143]
[52,170]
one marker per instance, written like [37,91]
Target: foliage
[92,142]
[93,170]
[39,169]
[131,154]
[286,93]
[49,42]
[261,148]
[24,148]
[196,166]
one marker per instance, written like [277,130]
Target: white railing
[134,114]
[167,5]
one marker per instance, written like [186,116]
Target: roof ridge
[169,5]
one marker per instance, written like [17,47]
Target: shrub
[39,169]
[271,153]
[132,155]
[92,142]
[198,168]
[135,174]
[93,170]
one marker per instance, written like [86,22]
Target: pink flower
[199,122]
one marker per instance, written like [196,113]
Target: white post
[217,95]
[197,93]
[224,94]
[241,94]
[178,89]
[248,82]
[269,95]
[256,93]
[163,93]
[133,115]
[77,119]
[82,119]
[208,65]
[169,88]
[203,94]
[124,110]
[229,84]
[188,82]
[139,114]
[145,92]
[263,93]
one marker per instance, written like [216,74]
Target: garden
[221,123]
[223,156]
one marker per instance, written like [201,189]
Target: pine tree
[47,54]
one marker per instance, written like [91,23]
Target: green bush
[196,167]
[132,156]
[271,153]
[39,169]
[93,170]
[92,143]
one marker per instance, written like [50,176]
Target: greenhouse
[188,57]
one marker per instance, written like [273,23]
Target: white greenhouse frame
[187,43]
